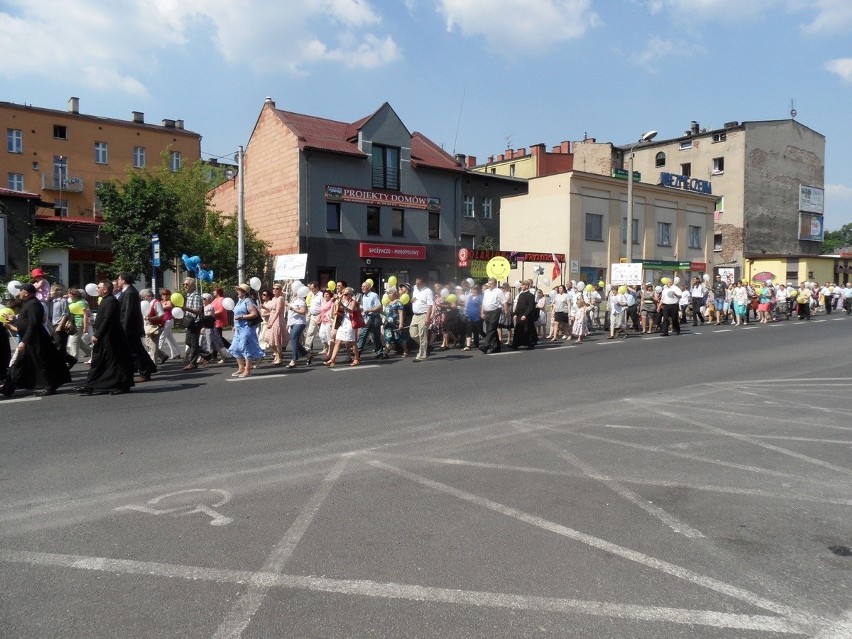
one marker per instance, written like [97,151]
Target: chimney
[538,149]
[459,158]
[565,147]
[471,161]
[74,105]
[179,124]
[269,101]
[169,124]
[138,117]
[501,157]
[521,152]
[694,128]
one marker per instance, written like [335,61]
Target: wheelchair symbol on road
[187,502]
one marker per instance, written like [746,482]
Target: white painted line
[18,400]
[255,377]
[239,617]
[347,367]
[746,438]
[415,593]
[841,629]
[837,319]
[723,330]
[741,594]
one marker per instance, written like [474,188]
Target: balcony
[71,184]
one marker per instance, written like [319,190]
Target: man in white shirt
[371,307]
[422,307]
[493,303]
[313,319]
[847,297]
[669,299]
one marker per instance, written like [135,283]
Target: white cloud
[123,43]
[715,10]
[658,49]
[519,25]
[833,16]
[841,67]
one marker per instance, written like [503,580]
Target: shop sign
[381,198]
[392,251]
[685,183]
[663,265]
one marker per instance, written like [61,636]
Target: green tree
[217,247]
[835,240]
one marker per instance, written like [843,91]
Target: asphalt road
[689,486]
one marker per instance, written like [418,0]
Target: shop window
[594,227]
[332,217]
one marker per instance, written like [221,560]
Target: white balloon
[14,287]
[581,285]
[517,284]
[303,292]
[445,291]
[658,289]
[177,312]
[471,281]
[705,277]
[255,283]
[769,282]
[146,307]
[228,304]
[295,285]
[546,281]
[92,289]
[677,280]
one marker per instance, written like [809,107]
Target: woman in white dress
[345,333]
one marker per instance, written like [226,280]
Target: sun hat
[245,288]
[37,272]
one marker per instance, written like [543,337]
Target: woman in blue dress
[245,347]
[393,320]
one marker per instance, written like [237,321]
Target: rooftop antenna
[793,112]
[508,139]
[458,124]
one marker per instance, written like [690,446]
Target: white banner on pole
[291,267]
[628,274]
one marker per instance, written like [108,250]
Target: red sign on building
[392,251]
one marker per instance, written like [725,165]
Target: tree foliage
[835,240]
[175,206]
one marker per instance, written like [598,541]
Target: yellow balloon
[332,285]
[309,299]
[392,280]
[177,299]
[590,288]
[601,284]
[6,314]
[622,289]
[452,298]
[665,281]
[385,299]
[498,267]
[405,298]
[76,308]
[370,282]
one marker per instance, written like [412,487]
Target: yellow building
[584,216]
[795,269]
[64,155]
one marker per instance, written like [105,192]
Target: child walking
[580,329]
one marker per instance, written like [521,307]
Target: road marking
[746,438]
[593,473]
[256,376]
[223,497]
[240,614]
[741,594]
[18,400]
[347,367]
[723,330]
[415,593]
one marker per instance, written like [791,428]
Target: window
[718,166]
[493,170]
[60,208]
[635,234]
[664,234]
[512,170]
[60,171]
[175,161]
[60,132]
[374,220]
[694,237]
[486,208]
[101,153]
[686,144]
[686,169]
[720,137]
[138,157]
[16,181]
[385,167]
[717,242]
[398,222]
[468,206]
[594,227]
[332,217]
[434,225]
[14,141]
[660,159]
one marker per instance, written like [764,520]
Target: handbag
[66,325]
[357,318]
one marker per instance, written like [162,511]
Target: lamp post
[646,137]
[61,183]
[241,218]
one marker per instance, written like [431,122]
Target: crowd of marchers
[130,333]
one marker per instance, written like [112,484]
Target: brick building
[363,199]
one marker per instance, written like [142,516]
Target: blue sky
[475,76]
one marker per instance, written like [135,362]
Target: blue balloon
[205,275]
[192,264]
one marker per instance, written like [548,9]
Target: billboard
[811,199]
[811,227]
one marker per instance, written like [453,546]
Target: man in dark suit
[134,327]
[112,363]
[525,316]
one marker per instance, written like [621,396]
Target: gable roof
[332,136]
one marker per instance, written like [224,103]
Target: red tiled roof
[342,137]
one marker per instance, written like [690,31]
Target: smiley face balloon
[498,268]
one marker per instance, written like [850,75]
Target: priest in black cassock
[38,363]
[134,327]
[112,362]
[525,316]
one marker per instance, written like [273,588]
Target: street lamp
[646,137]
